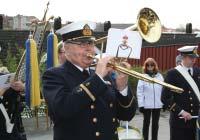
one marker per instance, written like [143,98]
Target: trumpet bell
[149,25]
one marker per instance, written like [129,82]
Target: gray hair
[178,59]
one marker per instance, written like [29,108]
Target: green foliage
[132,80]
[19,54]
[42,67]
[164,73]
[11,62]
[1,64]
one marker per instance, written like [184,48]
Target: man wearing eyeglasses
[184,106]
[85,104]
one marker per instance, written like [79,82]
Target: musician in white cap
[183,106]
[85,104]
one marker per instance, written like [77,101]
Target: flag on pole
[32,92]
[52,50]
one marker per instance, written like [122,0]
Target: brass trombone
[149,27]
[140,76]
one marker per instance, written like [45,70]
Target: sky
[172,13]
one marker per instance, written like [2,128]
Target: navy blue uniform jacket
[84,109]
[12,103]
[176,102]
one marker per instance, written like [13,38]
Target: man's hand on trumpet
[101,69]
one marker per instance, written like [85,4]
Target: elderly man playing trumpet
[85,104]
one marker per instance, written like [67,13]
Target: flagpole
[36,117]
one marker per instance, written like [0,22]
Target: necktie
[189,71]
[85,74]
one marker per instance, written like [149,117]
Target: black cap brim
[91,38]
[192,55]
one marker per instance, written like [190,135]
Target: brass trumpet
[140,76]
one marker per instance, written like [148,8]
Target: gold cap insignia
[86,30]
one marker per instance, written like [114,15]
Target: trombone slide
[141,76]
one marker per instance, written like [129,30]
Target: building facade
[18,22]
[21,22]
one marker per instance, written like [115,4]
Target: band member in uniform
[184,105]
[11,126]
[82,103]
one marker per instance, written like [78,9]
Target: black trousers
[182,133]
[155,113]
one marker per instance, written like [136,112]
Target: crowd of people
[86,103]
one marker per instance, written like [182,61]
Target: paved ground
[163,133]
[42,133]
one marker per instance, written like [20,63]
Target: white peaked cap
[76,26]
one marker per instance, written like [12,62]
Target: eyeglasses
[150,65]
[82,43]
